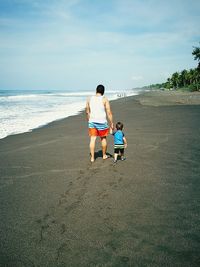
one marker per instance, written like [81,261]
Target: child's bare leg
[115,157]
[122,156]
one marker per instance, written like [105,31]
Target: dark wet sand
[59,210]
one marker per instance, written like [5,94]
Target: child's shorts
[119,148]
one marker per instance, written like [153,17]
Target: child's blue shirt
[118,137]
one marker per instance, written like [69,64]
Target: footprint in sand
[44,225]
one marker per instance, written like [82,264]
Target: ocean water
[22,111]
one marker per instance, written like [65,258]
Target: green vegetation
[184,80]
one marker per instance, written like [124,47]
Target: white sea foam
[21,113]
[41,96]
[27,119]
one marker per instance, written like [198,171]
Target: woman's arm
[108,111]
[87,109]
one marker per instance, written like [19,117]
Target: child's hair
[119,126]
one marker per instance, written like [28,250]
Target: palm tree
[184,77]
[197,78]
[175,79]
[169,83]
[188,78]
[191,76]
[196,54]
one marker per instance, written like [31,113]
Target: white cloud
[128,39]
[137,78]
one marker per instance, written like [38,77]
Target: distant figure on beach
[120,142]
[97,107]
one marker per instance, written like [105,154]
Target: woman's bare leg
[92,147]
[104,146]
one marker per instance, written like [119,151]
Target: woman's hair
[100,89]
[119,126]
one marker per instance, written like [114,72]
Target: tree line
[186,79]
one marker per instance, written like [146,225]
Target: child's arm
[125,142]
[112,131]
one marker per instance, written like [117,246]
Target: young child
[120,142]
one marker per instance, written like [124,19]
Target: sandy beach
[58,209]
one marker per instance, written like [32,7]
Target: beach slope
[58,209]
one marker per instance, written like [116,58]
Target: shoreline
[183,98]
[63,210]
[59,119]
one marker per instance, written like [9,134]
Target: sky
[77,44]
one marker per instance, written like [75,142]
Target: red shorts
[98,129]
[95,132]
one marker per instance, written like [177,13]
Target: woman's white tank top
[97,110]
